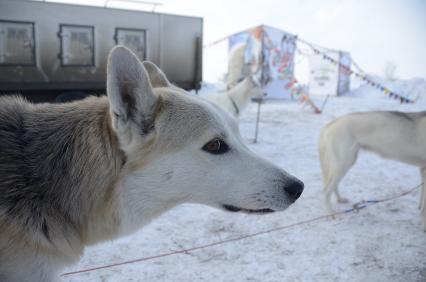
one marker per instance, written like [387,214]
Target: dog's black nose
[294,189]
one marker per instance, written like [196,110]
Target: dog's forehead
[193,116]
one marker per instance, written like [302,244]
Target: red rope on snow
[356,208]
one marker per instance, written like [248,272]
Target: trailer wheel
[71,96]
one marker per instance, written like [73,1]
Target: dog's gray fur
[78,173]
[50,156]
[393,135]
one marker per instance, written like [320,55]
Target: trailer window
[77,45]
[134,39]
[17,43]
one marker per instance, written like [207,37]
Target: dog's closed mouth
[232,208]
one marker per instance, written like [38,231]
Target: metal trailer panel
[181,32]
[170,43]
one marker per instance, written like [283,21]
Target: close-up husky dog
[236,99]
[392,135]
[79,173]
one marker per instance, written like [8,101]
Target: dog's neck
[86,165]
[66,162]
[104,162]
[241,95]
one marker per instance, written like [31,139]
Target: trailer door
[77,45]
[17,43]
[134,39]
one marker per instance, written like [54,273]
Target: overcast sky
[374,32]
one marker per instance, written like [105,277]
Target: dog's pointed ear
[156,76]
[129,90]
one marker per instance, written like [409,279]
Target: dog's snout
[294,189]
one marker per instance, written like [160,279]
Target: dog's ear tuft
[156,76]
[129,90]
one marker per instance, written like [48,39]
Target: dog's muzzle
[294,189]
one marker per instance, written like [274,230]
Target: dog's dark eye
[216,147]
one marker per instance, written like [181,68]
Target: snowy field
[384,242]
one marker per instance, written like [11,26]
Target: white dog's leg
[340,199]
[338,172]
[422,188]
[337,155]
[333,187]
[423,198]
[347,158]
[329,188]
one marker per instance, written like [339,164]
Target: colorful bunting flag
[363,77]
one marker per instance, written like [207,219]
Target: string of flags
[374,84]
[343,67]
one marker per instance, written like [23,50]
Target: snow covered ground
[384,242]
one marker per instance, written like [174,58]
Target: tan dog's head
[181,148]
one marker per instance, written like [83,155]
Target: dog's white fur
[392,135]
[236,99]
[161,132]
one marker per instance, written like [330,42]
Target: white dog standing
[392,135]
[235,100]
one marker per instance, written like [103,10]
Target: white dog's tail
[338,151]
[324,156]
[325,160]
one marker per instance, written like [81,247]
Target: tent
[267,54]
[329,73]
